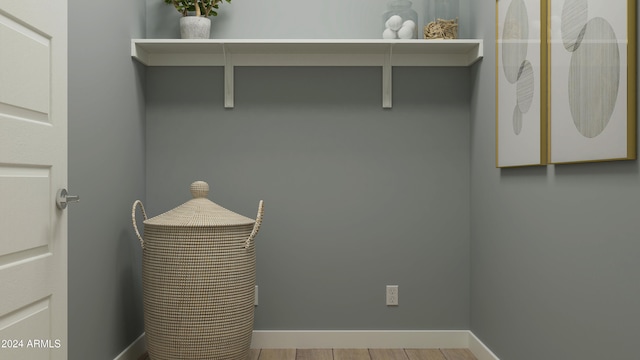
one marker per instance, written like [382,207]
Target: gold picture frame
[521,83]
[592,80]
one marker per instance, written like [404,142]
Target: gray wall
[106,168]
[356,196]
[292,19]
[554,250]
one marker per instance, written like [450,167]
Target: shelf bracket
[387,80]
[228,78]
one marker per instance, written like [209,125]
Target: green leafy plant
[199,7]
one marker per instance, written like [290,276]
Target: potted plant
[195,22]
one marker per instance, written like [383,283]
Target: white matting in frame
[592,80]
[521,125]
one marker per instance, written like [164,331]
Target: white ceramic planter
[195,27]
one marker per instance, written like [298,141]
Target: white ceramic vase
[195,27]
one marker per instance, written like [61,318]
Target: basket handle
[257,224]
[133,219]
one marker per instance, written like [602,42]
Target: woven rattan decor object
[198,280]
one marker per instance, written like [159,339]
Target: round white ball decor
[394,23]
[389,34]
[409,23]
[406,32]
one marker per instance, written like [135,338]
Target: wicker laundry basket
[198,280]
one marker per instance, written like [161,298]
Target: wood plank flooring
[356,354]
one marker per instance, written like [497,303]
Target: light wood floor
[357,354]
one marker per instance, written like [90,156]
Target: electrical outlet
[392,295]
[255,297]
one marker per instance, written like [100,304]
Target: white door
[33,165]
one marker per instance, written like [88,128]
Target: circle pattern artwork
[525,86]
[517,121]
[515,38]
[594,78]
[573,20]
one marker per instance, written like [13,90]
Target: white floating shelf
[306,52]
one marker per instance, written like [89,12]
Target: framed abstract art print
[592,80]
[521,124]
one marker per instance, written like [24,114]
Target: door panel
[25,190]
[25,71]
[29,340]
[33,166]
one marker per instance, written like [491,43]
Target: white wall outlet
[392,295]
[255,297]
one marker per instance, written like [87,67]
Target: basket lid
[199,211]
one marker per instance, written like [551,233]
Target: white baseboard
[135,350]
[330,339]
[479,349]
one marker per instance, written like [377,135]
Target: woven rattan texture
[199,212]
[198,285]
